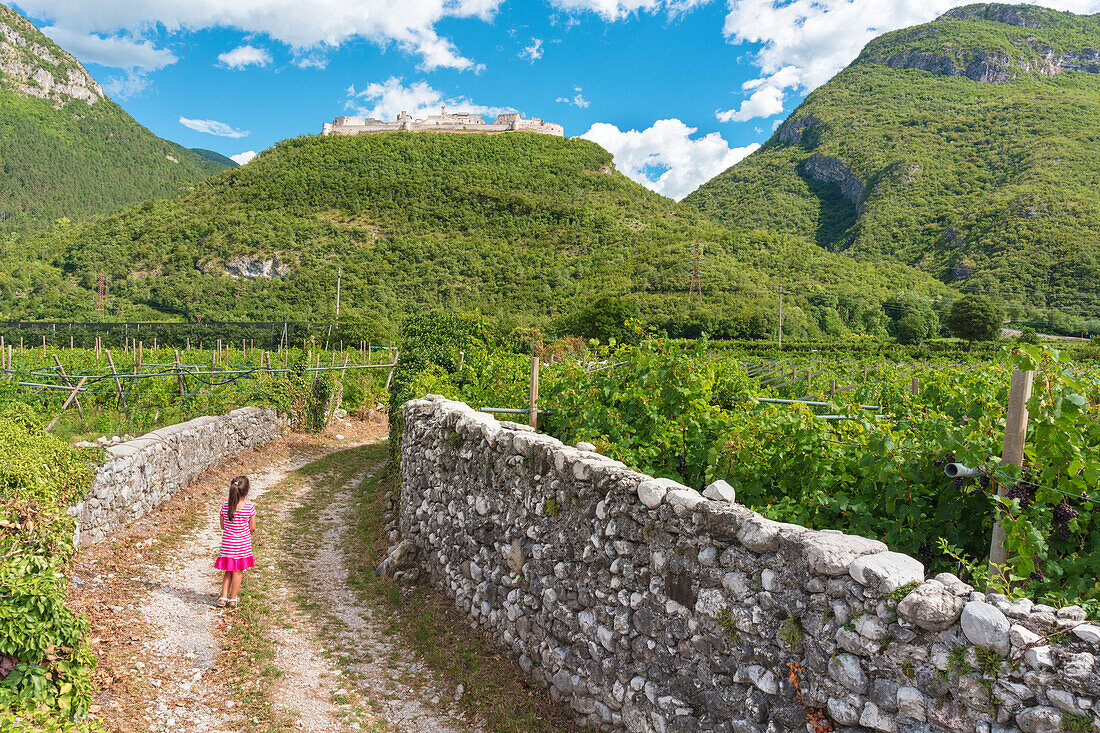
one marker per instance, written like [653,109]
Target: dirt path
[403,694]
[160,641]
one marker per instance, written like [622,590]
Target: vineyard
[840,442]
[93,392]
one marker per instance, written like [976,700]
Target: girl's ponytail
[238,489]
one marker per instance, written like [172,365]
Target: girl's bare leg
[225,584]
[235,584]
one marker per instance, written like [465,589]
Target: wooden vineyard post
[1012,453]
[533,410]
[65,377]
[179,370]
[70,342]
[140,351]
[154,343]
[68,400]
[832,387]
[915,386]
[118,384]
[393,365]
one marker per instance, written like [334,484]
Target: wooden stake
[533,409]
[915,386]
[65,377]
[71,397]
[1011,454]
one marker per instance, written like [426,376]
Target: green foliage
[790,632]
[607,318]
[428,350]
[989,661]
[40,477]
[988,185]
[726,622]
[975,317]
[1028,336]
[551,507]
[1076,723]
[899,594]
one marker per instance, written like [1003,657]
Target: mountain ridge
[964,146]
[67,151]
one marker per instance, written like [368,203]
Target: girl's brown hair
[238,489]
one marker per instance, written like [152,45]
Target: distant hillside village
[442,122]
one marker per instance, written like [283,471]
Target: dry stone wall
[140,474]
[646,606]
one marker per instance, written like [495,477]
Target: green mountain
[519,225]
[67,150]
[967,147]
[216,157]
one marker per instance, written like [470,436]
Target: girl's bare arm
[251,524]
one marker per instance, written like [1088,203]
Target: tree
[913,328]
[1028,335]
[975,317]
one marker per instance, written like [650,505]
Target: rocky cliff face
[988,65]
[33,66]
[830,170]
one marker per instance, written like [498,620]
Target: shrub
[49,684]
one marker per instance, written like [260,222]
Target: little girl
[238,521]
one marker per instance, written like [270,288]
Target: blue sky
[677,90]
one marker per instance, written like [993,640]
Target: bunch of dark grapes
[1061,516]
[984,481]
[949,458]
[1036,576]
[959,483]
[1023,491]
[924,554]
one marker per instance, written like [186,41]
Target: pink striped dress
[236,553]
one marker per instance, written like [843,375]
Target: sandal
[222,602]
[233,602]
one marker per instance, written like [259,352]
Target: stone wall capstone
[645,606]
[140,474]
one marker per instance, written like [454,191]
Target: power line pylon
[696,285]
[101,292]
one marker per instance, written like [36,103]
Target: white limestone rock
[720,491]
[1039,720]
[832,554]
[931,606]
[653,491]
[1088,633]
[911,703]
[886,571]
[985,626]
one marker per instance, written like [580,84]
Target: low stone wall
[648,607]
[140,474]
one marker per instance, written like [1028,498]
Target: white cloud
[120,52]
[805,42]
[242,158]
[665,157]
[243,56]
[126,87]
[532,52]
[577,100]
[409,24]
[385,100]
[213,127]
[764,102]
[612,10]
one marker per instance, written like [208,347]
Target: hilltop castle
[442,122]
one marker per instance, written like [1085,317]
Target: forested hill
[519,225]
[968,147]
[67,150]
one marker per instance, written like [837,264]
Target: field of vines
[138,390]
[868,459]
